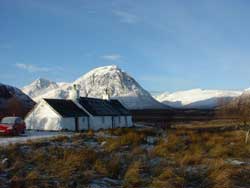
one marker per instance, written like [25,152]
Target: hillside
[13,101]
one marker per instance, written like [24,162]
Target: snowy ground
[31,135]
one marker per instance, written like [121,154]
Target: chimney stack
[106,96]
[75,93]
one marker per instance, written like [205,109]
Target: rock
[5,163]
[236,162]
[152,140]
[105,183]
[103,143]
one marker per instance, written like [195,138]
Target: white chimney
[106,95]
[75,93]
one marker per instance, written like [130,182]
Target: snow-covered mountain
[39,87]
[14,101]
[245,93]
[100,81]
[196,98]
[244,98]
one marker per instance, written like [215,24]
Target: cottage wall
[100,122]
[43,118]
[123,121]
[68,124]
[130,121]
[83,123]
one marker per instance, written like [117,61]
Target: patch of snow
[31,135]
[237,162]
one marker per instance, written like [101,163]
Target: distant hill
[13,101]
[197,98]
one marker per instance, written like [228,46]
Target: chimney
[106,95]
[75,93]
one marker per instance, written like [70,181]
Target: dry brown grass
[132,176]
[220,174]
[90,133]
[32,176]
[190,159]
[170,145]
[169,179]
[180,159]
[101,167]
[127,139]
[114,166]
[61,138]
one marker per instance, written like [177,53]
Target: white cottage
[105,113]
[81,114]
[57,114]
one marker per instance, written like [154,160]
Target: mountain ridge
[97,82]
[14,101]
[197,98]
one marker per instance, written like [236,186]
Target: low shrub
[115,166]
[169,146]
[130,138]
[132,176]
[100,167]
[90,133]
[169,179]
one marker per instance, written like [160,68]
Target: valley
[199,143]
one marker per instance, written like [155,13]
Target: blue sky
[165,45]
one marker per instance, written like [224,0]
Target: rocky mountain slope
[39,87]
[243,99]
[196,98]
[13,101]
[99,82]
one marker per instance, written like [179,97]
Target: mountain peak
[42,82]
[110,67]
[97,82]
[39,86]
[105,69]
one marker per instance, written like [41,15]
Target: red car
[12,126]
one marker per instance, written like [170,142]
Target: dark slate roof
[99,107]
[118,106]
[66,108]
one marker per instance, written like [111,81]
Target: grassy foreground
[142,157]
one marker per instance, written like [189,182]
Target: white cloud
[112,57]
[126,17]
[32,68]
